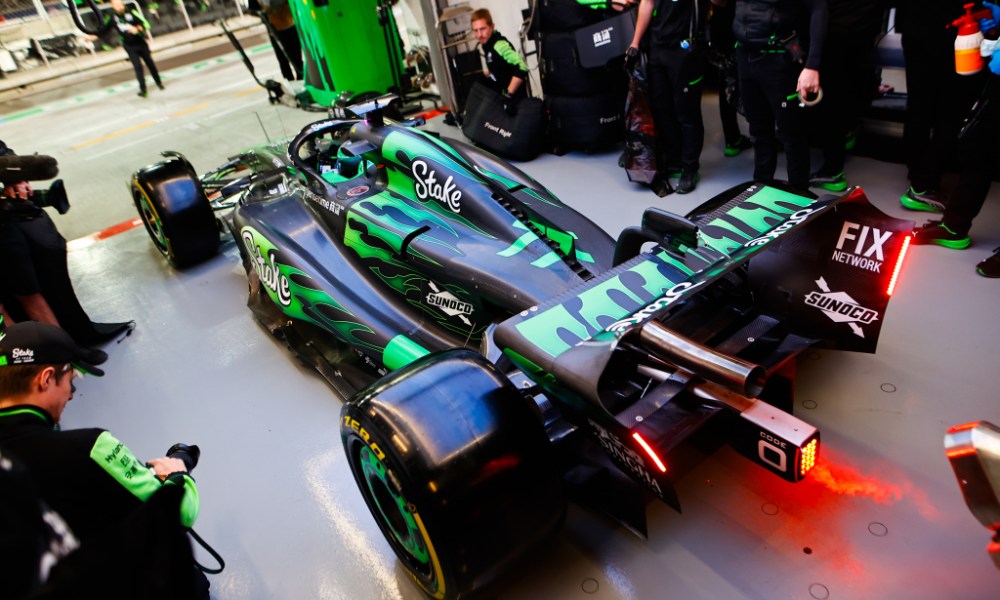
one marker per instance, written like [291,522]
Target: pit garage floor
[883,517]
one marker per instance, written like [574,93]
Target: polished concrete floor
[882,519]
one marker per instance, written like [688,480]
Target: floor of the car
[882,517]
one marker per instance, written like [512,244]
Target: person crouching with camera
[87,476]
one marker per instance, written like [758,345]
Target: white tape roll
[814,101]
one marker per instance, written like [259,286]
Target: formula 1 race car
[502,354]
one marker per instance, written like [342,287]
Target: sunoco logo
[840,307]
[267,269]
[449,304]
[427,186]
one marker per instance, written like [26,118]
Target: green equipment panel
[346,48]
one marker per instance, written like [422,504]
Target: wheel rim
[152,222]
[395,511]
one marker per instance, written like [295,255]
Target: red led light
[649,451]
[899,265]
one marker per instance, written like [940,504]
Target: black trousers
[138,55]
[40,266]
[978,155]
[289,61]
[767,90]
[937,99]
[847,76]
[676,80]
[728,111]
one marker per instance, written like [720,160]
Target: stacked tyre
[585,106]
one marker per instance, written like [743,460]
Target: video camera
[15,169]
[188,455]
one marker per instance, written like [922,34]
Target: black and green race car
[501,353]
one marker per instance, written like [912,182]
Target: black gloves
[509,106]
[631,58]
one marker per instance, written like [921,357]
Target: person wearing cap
[87,475]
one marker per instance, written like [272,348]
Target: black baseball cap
[34,343]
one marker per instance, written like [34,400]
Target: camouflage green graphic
[642,287]
[376,229]
[754,213]
[289,289]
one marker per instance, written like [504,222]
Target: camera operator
[34,275]
[86,475]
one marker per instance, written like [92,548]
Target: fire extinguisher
[968,60]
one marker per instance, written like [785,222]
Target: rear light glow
[650,452]
[899,265]
[807,459]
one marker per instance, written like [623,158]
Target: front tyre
[177,215]
[455,466]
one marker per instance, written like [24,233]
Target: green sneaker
[851,140]
[688,181]
[936,232]
[833,183]
[734,149]
[990,267]
[928,201]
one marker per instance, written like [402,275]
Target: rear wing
[821,268]
[842,258]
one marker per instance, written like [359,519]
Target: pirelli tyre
[455,466]
[175,211]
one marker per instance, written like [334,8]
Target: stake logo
[22,355]
[671,296]
[449,304]
[267,269]
[841,308]
[795,219]
[867,250]
[427,186]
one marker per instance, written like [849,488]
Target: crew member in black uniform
[132,28]
[676,71]
[86,475]
[779,48]
[978,156]
[937,98]
[849,79]
[505,69]
[34,276]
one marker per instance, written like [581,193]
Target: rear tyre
[177,215]
[456,468]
